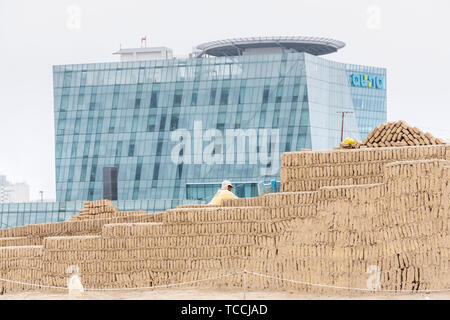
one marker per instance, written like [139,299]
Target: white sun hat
[225,184]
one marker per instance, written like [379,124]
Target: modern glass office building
[175,128]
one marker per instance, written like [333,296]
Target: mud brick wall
[327,235]
[190,244]
[20,263]
[35,234]
[332,247]
[108,215]
[416,241]
[191,206]
[211,242]
[309,171]
[400,226]
[100,209]
[244,202]
[20,241]
[62,252]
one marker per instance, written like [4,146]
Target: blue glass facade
[171,127]
[20,214]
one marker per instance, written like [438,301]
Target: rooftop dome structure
[267,45]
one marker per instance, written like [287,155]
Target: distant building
[175,128]
[2,180]
[9,192]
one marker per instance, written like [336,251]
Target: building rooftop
[139,54]
[147,49]
[262,45]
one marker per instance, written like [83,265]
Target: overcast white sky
[409,38]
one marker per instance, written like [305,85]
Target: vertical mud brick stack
[399,226]
[214,241]
[415,246]
[288,209]
[62,252]
[334,246]
[21,264]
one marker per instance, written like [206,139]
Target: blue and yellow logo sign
[366,81]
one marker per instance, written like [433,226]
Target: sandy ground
[214,294]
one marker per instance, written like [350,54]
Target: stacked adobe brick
[397,134]
[416,246]
[25,249]
[102,209]
[340,214]
[399,226]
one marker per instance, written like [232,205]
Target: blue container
[275,186]
[265,187]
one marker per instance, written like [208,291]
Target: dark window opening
[177,100]
[162,124]
[154,100]
[174,122]
[224,96]
[93,173]
[194,99]
[131,150]
[179,170]
[265,95]
[159,148]
[155,175]
[212,97]
[138,172]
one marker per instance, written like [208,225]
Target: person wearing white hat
[223,193]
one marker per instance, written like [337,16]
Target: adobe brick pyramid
[341,217]
[398,134]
